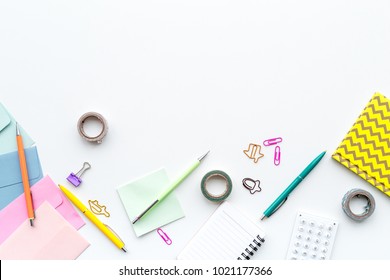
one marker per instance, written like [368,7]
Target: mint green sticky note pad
[137,195]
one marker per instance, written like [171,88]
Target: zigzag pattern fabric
[366,148]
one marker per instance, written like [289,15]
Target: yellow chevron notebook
[366,148]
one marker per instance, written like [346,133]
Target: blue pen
[284,195]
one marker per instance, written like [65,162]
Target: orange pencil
[23,171]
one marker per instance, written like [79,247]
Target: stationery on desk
[228,234]
[102,227]
[284,195]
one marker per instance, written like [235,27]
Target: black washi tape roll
[216,174]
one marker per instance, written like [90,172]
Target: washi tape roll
[92,115]
[216,174]
[369,208]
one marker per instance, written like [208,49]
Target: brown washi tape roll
[92,115]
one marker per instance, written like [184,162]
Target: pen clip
[110,228]
[280,205]
[32,203]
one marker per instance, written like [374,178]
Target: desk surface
[175,79]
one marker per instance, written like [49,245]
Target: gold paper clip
[253,152]
[98,209]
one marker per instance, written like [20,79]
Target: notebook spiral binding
[252,248]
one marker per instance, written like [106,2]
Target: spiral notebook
[228,234]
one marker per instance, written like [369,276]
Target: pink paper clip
[277,155]
[272,141]
[164,236]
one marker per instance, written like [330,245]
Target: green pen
[172,186]
[284,195]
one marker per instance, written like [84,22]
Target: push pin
[75,179]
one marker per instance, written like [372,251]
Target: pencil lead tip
[17,129]
[202,157]
[262,217]
[31,222]
[124,249]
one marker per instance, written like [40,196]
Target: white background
[177,78]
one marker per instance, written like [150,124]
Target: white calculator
[312,237]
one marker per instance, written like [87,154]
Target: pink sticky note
[51,238]
[12,216]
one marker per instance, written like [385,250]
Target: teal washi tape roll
[216,174]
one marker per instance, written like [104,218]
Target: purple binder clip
[75,179]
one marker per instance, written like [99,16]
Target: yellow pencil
[103,228]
